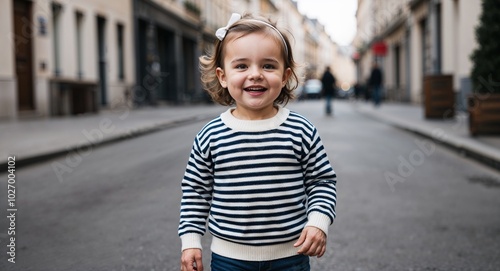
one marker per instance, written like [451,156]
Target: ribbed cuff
[191,240]
[319,220]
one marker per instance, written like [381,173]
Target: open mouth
[255,89]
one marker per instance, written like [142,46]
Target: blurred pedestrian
[258,173]
[358,90]
[328,81]
[375,84]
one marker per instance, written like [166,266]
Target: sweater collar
[254,125]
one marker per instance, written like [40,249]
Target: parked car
[312,89]
[299,92]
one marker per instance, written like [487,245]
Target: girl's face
[254,74]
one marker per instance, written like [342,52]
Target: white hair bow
[221,32]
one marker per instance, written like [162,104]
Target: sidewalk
[34,140]
[40,139]
[453,133]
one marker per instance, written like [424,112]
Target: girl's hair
[246,25]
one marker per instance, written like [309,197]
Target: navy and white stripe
[256,186]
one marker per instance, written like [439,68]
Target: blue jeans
[377,95]
[294,263]
[328,108]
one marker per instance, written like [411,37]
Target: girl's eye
[268,66]
[241,66]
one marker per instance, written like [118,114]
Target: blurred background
[100,102]
[74,57]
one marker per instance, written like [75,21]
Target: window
[121,65]
[397,66]
[79,45]
[56,24]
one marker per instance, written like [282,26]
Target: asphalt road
[404,203]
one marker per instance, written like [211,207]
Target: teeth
[255,89]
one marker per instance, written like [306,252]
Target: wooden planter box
[484,114]
[439,97]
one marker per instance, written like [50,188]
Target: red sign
[355,56]
[379,48]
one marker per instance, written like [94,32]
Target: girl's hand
[313,242]
[191,260]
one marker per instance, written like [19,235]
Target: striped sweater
[259,183]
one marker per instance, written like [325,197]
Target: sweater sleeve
[196,197]
[320,184]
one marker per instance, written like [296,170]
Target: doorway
[167,90]
[24,54]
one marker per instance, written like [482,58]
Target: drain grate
[488,181]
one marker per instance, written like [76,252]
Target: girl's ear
[221,76]
[286,76]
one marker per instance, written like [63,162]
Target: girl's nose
[255,74]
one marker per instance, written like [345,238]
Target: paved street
[405,203]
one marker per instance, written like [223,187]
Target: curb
[481,155]
[131,133]
[478,152]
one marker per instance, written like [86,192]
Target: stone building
[418,38]
[72,57]
[166,46]
[64,57]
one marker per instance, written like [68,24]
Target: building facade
[421,37]
[64,57]
[71,57]
[167,45]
